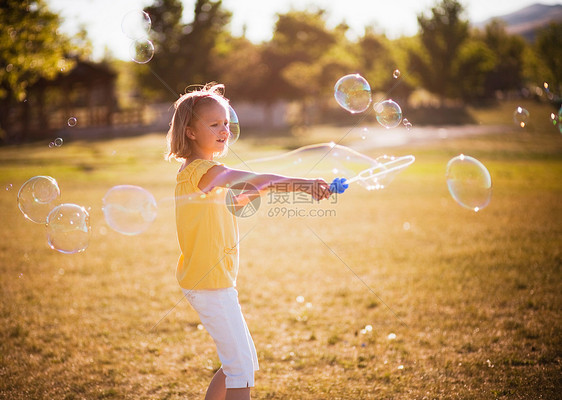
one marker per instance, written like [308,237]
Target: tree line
[302,60]
[305,57]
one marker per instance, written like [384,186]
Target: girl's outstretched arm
[222,176]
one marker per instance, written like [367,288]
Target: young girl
[208,231]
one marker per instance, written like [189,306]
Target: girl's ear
[189,133]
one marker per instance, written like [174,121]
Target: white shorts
[220,313]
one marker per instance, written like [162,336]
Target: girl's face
[210,130]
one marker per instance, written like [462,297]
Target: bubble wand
[339,185]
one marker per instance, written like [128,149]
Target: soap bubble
[234,126]
[329,161]
[136,24]
[37,197]
[521,117]
[388,113]
[141,51]
[51,145]
[72,121]
[557,119]
[469,182]
[353,93]
[407,124]
[326,160]
[129,209]
[58,142]
[68,228]
[396,74]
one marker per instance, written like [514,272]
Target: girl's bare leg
[217,388]
[238,394]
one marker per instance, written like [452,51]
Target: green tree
[549,52]
[183,52]
[239,65]
[470,70]
[449,65]
[379,59]
[509,51]
[29,50]
[299,40]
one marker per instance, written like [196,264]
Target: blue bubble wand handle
[338,185]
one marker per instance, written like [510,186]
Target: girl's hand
[319,189]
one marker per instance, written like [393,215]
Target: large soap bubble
[136,24]
[37,197]
[141,51]
[469,182]
[325,160]
[330,161]
[129,209]
[68,228]
[234,126]
[353,93]
[388,113]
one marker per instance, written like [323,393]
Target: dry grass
[473,299]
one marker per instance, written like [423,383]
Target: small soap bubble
[364,133]
[136,24]
[129,209]
[396,74]
[68,229]
[469,182]
[300,299]
[37,197]
[388,113]
[400,367]
[51,145]
[556,119]
[353,93]
[9,187]
[72,121]
[233,125]
[141,51]
[407,124]
[391,336]
[521,117]
[58,142]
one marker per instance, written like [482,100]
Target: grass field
[396,294]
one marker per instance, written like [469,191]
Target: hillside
[528,20]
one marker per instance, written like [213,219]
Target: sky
[102,18]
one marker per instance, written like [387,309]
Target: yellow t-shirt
[207,232]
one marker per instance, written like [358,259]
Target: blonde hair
[186,113]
